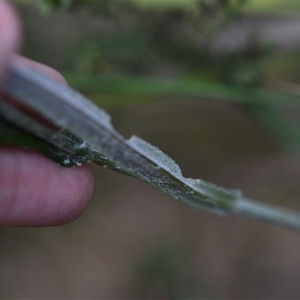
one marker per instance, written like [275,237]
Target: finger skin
[9,35]
[35,191]
[48,71]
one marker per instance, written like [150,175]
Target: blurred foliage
[160,34]
[160,275]
[174,40]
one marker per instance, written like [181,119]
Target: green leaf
[131,90]
[85,132]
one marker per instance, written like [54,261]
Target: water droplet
[66,161]
[82,145]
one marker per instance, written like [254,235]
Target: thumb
[9,35]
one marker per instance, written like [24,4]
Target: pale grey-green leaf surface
[83,130]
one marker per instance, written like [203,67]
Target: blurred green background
[214,84]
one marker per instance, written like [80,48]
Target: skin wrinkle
[49,198]
[64,204]
[37,204]
[10,187]
[64,207]
[15,207]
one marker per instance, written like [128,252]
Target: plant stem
[267,213]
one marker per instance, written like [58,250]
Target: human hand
[35,191]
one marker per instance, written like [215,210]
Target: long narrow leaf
[136,87]
[82,129]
